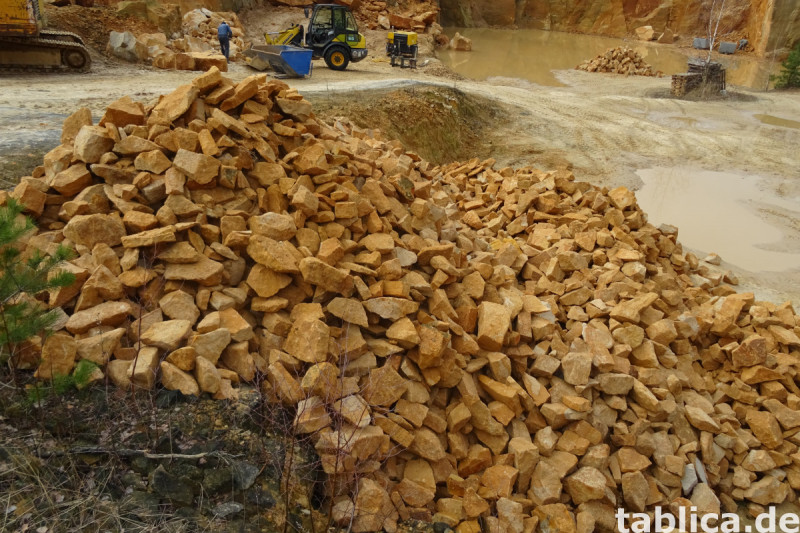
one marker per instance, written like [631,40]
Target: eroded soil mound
[442,125]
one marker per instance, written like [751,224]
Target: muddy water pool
[719,212]
[532,55]
[778,121]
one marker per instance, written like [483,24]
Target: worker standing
[224,35]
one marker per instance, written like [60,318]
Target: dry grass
[69,495]
[49,483]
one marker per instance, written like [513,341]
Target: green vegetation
[61,385]
[790,73]
[23,276]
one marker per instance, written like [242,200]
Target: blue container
[292,61]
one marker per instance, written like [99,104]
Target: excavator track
[51,51]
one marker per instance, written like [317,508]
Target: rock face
[460,343]
[783,32]
[768,25]
[595,16]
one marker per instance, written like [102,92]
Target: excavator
[26,45]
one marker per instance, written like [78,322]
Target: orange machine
[25,44]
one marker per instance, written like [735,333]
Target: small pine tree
[22,278]
[790,72]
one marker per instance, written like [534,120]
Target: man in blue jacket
[224,34]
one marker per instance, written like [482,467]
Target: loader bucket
[290,61]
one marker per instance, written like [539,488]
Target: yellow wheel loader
[26,45]
[292,36]
[332,35]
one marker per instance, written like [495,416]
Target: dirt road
[606,127]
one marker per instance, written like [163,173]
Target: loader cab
[333,35]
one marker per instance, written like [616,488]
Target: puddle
[689,121]
[532,54]
[29,129]
[714,212]
[673,121]
[778,121]
[27,136]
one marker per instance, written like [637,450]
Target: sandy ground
[606,127]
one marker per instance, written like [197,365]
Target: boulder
[58,357]
[667,37]
[73,124]
[91,143]
[461,43]
[125,46]
[173,378]
[167,335]
[645,33]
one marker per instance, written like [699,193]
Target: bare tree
[715,14]
[724,16]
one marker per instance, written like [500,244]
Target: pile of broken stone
[619,60]
[196,48]
[462,344]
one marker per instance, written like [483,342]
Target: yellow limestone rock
[74,122]
[99,348]
[143,368]
[207,375]
[91,143]
[349,310]
[312,415]
[765,427]
[200,168]
[308,340]
[238,327]
[91,230]
[266,282]
[374,510]
[176,103]
[238,358]
[205,271]
[391,308]
[274,226]
[73,180]
[494,321]
[167,335]
[418,486]
[528,342]
[123,112]
[211,344]
[173,378]
[58,356]
[586,484]
[329,278]
[104,314]
[183,358]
